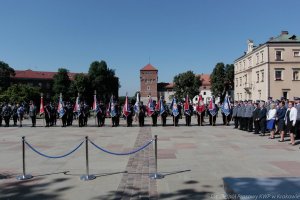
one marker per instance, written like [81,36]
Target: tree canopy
[222,79]
[61,82]
[5,73]
[186,83]
[20,93]
[103,79]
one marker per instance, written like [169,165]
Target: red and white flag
[126,110]
[42,106]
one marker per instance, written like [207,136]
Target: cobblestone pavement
[193,159]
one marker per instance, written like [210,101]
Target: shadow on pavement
[33,189]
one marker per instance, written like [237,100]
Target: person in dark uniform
[262,118]
[6,113]
[255,116]
[70,114]
[81,115]
[32,113]
[20,113]
[164,114]
[249,116]
[64,115]
[86,110]
[142,115]
[155,114]
[129,116]
[280,115]
[234,114]
[47,109]
[15,114]
[103,113]
[188,114]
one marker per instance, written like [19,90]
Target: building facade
[148,83]
[269,70]
[166,90]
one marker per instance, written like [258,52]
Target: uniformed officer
[142,115]
[6,113]
[32,113]
[249,116]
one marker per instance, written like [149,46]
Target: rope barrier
[121,154]
[47,156]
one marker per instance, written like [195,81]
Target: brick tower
[148,78]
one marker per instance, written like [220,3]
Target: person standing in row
[6,113]
[271,116]
[256,112]
[280,114]
[249,116]
[234,114]
[20,113]
[32,113]
[262,118]
[15,113]
[290,121]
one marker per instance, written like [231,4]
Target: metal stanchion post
[87,176]
[156,175]
[24,176]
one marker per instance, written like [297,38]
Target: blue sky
[176,35]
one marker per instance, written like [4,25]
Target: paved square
[194,160]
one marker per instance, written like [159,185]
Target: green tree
[61,83]
[186,84]
[5,73]
[217,79]
[103,80]
[81,85]
[20,93]
[229,77]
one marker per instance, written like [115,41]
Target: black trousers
[187,120]
[200,119]
[141,121]
[164,120]
[129,120]
[241,123]
[297,129]
[175,120]
[154,120]
[212,120]
[6,120]
[64,120]
[256,127]
[250,124]
[236,122]
[262,125]
[33,120]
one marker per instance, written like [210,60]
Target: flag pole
[95,93]
[76,108]
[44,112]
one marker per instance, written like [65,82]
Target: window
[204,93]
[250,62]
[244,64]
[257,75]
[296,53]
[236,82]
[285,94]
[148,87]
[240,81]
[262,57]
[295,75]
[278,55]
[257,58]
[245,79]
[262,76]
[278,75]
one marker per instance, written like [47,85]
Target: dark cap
[296,98]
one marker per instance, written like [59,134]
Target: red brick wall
[148,82]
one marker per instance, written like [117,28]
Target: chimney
[284,32]
[250,46]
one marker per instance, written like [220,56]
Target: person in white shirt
[271,116]
[290,121]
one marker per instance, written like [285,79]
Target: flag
[77,106]
[126,110]
[136,106]
[111,107]
[95,103]
[42,106]
[160,106]
[186,105]
[226,106]
[150,107]
[60,108]
[212,107]
[174,108]
[200,107]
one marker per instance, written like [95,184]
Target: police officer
[32,113]
[6,113]
[142,115]
[188,114]
[81,115]
[249,116]
[262,118]
[64,115]
[155,114]
[234,114]
[47,109]
[164,114]
[255,116]
[15,113]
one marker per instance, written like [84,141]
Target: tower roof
[149,67]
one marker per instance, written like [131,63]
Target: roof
[29,74]
[164,86]
[149,67]
[285,37]
[205,79]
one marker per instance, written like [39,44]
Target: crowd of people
[276,117]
